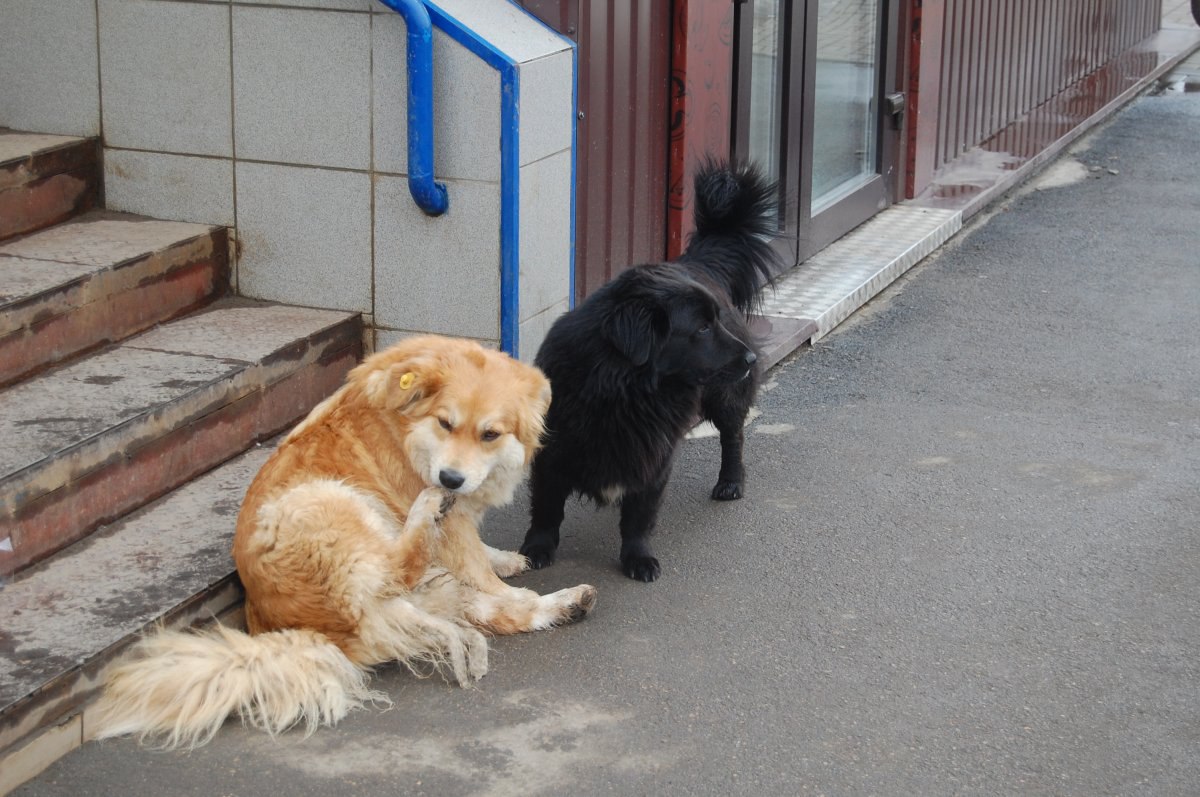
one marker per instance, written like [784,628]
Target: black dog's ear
[635,328]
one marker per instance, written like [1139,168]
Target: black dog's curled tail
[737,216]
[733,200]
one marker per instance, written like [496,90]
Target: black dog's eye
[446,424]
[489,436]
[704,330]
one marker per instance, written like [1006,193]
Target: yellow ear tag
[406,380]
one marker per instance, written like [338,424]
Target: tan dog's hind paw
[585,601]
[477,657]
[566,606]
[467,655]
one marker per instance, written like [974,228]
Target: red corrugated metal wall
[980,65]
[621,160]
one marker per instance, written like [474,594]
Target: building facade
[565,131]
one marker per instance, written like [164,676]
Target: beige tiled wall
[545,232]
[165,80]
[428,273]
[286,120]
[48,77]
[546,180]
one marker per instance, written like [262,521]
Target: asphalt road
[967,562]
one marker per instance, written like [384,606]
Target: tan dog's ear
[401,385]
[543,395]
[532,422]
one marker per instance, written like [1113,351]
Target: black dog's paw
[641,568]
[540,554]
[727,491]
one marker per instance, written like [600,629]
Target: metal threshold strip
[832,284]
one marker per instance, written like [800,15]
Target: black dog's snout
[451,479]
[750,358]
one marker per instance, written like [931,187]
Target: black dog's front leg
[733,473]
[728,411]
[639,513]
[548,493]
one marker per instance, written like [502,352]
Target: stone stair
[45,179]
[99,278]
[136,396]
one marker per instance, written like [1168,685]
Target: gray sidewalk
[967,562]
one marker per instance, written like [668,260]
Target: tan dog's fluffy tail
[180,687]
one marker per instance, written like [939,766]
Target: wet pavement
[973,178]
[967,561]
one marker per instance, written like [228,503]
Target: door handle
[894,105]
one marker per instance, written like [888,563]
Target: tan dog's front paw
[506,563]
[431,505]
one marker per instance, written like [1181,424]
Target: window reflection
[766,86]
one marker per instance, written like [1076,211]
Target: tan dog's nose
[451,479]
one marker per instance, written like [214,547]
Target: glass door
[844,116]
[809,108]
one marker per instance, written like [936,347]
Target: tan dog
[358,544]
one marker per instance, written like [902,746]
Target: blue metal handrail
[430,196]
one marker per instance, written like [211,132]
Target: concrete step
[45,179]
[99,278]
[778,337]
[167,563]
[91,440]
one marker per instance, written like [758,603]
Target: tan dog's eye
[489,436]
[446,424]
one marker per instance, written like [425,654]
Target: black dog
[644,359]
